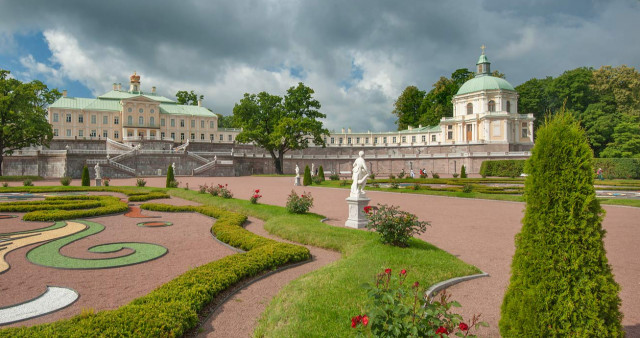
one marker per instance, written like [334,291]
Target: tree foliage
[225,121]
[407,107]
[561,283]
[321,173]
[306,179]
[23,114]
[279,125]
[85,180]
[188,98]
[170,177]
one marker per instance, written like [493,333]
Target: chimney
[343,130]
[153,90]
[199,102]
[419,126]
[409,128]
[64,93]
[115,86]
[349,130]
[119,86]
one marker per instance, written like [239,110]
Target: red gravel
[480,232]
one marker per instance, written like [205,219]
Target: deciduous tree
[407,107]
[23,120]
[188,98]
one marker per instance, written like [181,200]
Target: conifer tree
[561,282]
[86,181]
[321,173]
[306,180]
[170,177]
[463,172]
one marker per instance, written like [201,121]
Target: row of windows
[376,139]
[141,110]
[116,134]
[94,119]
[116,120]
[92,133]
[491,107]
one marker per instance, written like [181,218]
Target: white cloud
[36,70]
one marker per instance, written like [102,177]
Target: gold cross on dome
[483,47]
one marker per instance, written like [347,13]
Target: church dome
[484,82]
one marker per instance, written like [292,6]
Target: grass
[326,299]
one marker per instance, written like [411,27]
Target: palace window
[340,140]
[375,140]
[433,138]
[69,132]
[211,137]
[173,136]
[413,139]
[181,123]
[193,136]
[129,110]
[55,132]
[384,140]
[152,121]
[116,120]
[162,122]
[116,134]
[130,120]
[333,140]
[105,133]
[162,135]
[202,137]
[80,133]
[201,123]
[366,140]
[492,106]
[394,139]
[141,110]
[357,140]
[80,118]
[105,120]
[424,138]
[69,119]
[221,137]
[140,120]
[525,130]
[193,123]
[508,106]
[449,132]
[173,122]
[212,124]
[469,108]
[230,138]
[404,139]
[93,119]
[348,140]
[129,133]
[55,117]
[152,111]
[182,136]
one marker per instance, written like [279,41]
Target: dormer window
[492,106]
[469,108]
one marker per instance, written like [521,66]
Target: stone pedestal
[357,218]
[297,182]
[98,182]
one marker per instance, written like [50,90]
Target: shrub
[334,177]
[203,188]
[628,168]
[255,196]
[394,185]
[435,175]
[394,226]
[174,184]
[186,185]
[321,174]
[299,204]
[141,182]
[214,190]
[455,175]
[316,180]
[223,191]
[372,176]
[86,181]
[502,168]
[170,176]
[392,177]
[106,181]
[463,172]
[423,175]
[65,181]
[416,186]
[561,283]
[344,183]
[399,309]
[27,183]
[467,188]
[306,179]
[5,184]
[149,196]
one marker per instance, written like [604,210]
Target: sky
[358,56]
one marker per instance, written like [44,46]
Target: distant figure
[412,174]
[599,173]
[97,169]
[215,158]
[360,174]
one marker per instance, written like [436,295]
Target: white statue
[173,165]
[97,169]
[313,169]
[215,158]
[360,175]
[297,171]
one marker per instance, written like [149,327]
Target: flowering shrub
[141,182]
[396,227]
[203,188]
[224,191]
[214,190]
[255,197]
[299,204]
[397,309]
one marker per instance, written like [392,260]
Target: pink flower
[403,272]
[365,320]
[416,284]
[387,271]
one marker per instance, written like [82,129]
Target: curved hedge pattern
[172,309]
[55,208]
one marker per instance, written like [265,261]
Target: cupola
[483,65]
[135,83]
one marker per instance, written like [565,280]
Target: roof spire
[482,47]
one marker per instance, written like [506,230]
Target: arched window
[469,108]
[492,106]
[508,106]
[140,120]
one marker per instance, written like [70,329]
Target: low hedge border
[149,196]
[172,309]
[57,208]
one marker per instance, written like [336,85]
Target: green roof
[484,82]
[482,59]
[71,103]
[178,109]
[119,95]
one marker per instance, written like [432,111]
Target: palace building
[133,115]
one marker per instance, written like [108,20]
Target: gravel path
[480,232]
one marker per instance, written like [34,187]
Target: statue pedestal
[297,182]
[98,182]
[357,218]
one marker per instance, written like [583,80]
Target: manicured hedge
[172,309]
[618,167]
[149,196]
[502,168]
[107,205]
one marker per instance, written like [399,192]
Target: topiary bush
[561,283]
[463,172]
[170,177]
[65,180]
[306,180]
[86,181]
[502,168]
[321,173]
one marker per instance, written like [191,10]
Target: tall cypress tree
[561,283]
[306,180]
[321,173]
[170,177]
[85,180]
